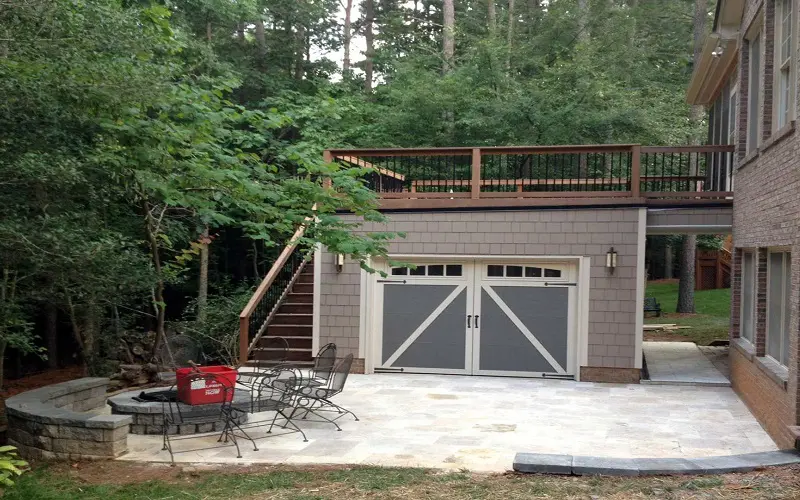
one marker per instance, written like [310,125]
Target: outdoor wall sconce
[338,262]
[611,260]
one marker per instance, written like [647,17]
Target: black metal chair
[323,366]
[275,392]
[316,400]
[273,355]
[210,416]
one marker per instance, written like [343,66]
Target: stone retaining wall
[55,422]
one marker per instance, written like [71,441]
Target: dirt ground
[124,480]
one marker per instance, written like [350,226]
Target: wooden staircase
[294,321]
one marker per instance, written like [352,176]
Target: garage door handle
[476,321]
[469,317]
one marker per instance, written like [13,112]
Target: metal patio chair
[224,413]
[275,392]
[323,366]
[276,352]
[316,400]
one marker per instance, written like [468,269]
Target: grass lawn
[130,481]
[711,322]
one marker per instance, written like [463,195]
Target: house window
[754,93]
[778,309]
[783,61]
[748,295]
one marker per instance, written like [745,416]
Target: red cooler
[206,391]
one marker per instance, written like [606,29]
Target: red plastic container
[206,391]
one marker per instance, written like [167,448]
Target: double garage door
[478,317]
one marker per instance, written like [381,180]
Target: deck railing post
[475,185]
[636,166]
[244,339]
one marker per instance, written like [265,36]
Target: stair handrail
[245,345]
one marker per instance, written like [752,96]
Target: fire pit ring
[148,416]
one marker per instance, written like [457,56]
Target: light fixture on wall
[338,262]
[611,260]
[718,51]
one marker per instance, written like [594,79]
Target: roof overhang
[719,54]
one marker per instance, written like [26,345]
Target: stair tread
[293,314]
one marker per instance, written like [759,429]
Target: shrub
[10,465]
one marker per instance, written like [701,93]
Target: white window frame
[753,296]
[733,107]
[785,311]
[784,72]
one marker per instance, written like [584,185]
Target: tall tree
[369,37]
[510,35]
[689,245]
[491,16]
[347,35]
[448,35]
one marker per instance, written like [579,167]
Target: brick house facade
[757,73]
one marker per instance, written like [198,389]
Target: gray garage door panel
[502,346]
[443,344]
[545,313]
[405,307]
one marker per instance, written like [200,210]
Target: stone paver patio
[479,423]
[680,363]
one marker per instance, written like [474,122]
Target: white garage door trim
[578,271]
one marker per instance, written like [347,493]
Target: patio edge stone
[610,466]
[543,463]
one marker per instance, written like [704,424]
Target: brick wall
[612,300]
[765,399]
[766,215]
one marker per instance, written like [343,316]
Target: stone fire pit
[148,416]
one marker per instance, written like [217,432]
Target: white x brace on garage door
[478,317]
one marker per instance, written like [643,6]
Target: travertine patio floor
[479,423]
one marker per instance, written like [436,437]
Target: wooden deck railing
[591,171]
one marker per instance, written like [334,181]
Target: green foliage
[128,129]
[11,465]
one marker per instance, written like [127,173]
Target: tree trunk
[369,19]
[688,258]
[348,10]
[208,31]
[261,41]
[51,334]
[669,259]
[686,284]
[448,35]
[492,16]
[583,20]
[510,35]
[158,294]
[240,32]
[300,52]
[3,345]
[202,288]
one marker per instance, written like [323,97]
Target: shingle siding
[612,298]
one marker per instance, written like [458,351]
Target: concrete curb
[605,466]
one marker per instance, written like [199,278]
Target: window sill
[774,370]
[785,131]
[744,347]
[752,155]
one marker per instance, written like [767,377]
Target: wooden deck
[520,176]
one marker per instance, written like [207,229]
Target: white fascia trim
[640,288]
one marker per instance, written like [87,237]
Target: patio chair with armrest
[176,414]
[275,353]
[323,366]
[274,392]
[316,400]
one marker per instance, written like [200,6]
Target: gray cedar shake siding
[572,232]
